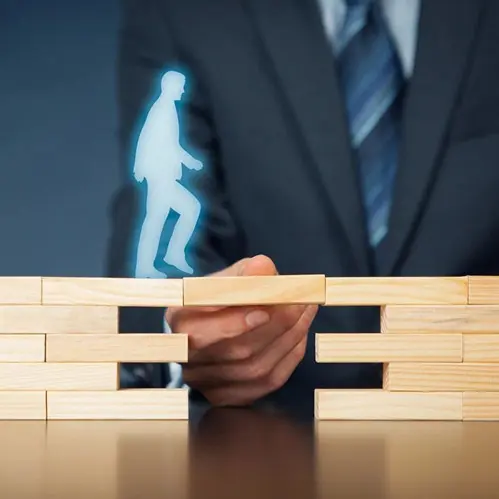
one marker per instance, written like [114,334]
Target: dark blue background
[58,157]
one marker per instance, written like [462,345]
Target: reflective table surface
[239,453]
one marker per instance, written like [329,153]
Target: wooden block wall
[60,349]
[438,342]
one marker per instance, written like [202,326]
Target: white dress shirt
[402,17]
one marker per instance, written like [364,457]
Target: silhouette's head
[173,85]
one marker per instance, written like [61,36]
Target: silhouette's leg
[156,212]
[189,209]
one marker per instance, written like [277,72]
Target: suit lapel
[303,65]
[446,33]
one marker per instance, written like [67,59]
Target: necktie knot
[359,4]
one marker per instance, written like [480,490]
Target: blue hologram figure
[158,160]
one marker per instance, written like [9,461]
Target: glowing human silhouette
[158,160]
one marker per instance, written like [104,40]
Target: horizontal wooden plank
[481,348]
[377,291]
[142,404]
[373,347]
[254,290]
[20,290]
[58,376]
[384,405]
[117,348]
[22,348]
[22,405]
[47,319]
[120,292]
[434,377]
[481,406]
[440,318]
[483,290]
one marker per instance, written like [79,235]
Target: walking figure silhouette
[158,161]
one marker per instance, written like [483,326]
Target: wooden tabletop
[248,454]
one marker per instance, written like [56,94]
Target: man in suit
[341,137]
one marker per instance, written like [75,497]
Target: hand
[242,353]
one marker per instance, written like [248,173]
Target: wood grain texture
[440,377]
[22,405]
[140,404]
[20,290]
[254,290]
[483,290]
[120,292]
[117,348]
[22,347]
[481,348]
[54,376]
[46,319]
[373,347]
[377,291]
[440,318]
[481,406]
[383,405]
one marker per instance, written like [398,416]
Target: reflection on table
[238,453]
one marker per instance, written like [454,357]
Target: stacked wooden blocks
[439,345]
[60,347]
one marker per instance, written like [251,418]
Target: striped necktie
[373,82]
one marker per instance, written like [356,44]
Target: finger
[205,329]
[257,369]
[252,343]
[258,265]
[237,394]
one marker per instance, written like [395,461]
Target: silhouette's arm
[146,51]
[189,161]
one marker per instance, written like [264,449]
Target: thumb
[259,265]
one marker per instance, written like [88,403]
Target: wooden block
[120,292]
[481,406]
[123,404]
[481,348]
[375,347]
[396,290]
[46,319]
[440,319]
[52,376]
[22,405]
[440,377]
[22,348]
[376,404]
[20,290]
[254,290]
[117,348]
[483,290]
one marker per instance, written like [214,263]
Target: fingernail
[257,318]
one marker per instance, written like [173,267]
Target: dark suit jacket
[265,112]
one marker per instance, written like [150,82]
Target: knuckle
[276,379]
[216,398]
[237,353]
[300,351]
[292,316]
[256,370]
